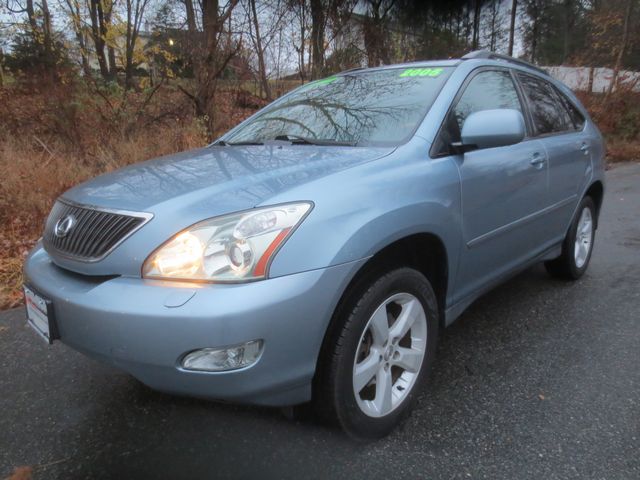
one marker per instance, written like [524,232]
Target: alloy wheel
[389,355]
[584,238]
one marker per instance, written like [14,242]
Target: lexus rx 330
[314,251]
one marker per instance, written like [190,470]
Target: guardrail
[594,79]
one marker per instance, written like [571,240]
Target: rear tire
[578,244]
[376,358]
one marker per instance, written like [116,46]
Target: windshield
[379,108]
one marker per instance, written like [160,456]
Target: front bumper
[146,326]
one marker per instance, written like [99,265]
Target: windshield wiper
[222,143]
[299,140]
[243,143]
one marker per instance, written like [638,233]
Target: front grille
[93,232]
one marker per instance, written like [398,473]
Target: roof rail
[489,55]
[355,69]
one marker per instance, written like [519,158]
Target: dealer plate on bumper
[40,314]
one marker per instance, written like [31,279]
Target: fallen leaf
[21,473]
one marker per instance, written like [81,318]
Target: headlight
[230,248]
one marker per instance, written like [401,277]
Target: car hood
[189,187]
[218,179]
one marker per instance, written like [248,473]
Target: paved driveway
[539,379]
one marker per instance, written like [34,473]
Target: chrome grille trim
[97,231]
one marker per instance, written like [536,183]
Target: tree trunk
[31,16]
[534,36]
[86,67]
[42,34]
[208,57]
[129,47]
[476,25]
[76,21]
[106,24]
[301,52]
[191,17]
[512,27]
[317,39]
[47,37]
[95,15]
[623,46]
[493,31]
[135,14]
[1,68]
[261,66]
[568,22]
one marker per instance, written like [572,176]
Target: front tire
[377,358]
[578,244]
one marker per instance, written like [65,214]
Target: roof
[489,55]
[417,64]
[475,55]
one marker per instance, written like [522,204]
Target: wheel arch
[426,252]
[596,192]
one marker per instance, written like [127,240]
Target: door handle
[585,148]
[537,160]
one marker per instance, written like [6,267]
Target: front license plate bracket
[40,314]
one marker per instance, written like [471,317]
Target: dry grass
[32,180]
[46,147]
[54,137]
[618,117]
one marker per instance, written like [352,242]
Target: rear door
[503,189]
[558,124]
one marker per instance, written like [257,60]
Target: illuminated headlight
[230,248]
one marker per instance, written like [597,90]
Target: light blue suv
[315,250]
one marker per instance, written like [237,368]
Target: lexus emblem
[64,226]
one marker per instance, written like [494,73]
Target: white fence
[577,78]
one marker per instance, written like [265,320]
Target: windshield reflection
[380,108]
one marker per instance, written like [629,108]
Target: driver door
[503,189]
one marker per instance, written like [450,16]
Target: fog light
[221,359]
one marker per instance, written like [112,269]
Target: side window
[576,117]
[549,116]
[487,90]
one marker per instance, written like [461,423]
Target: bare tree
[40,27]
[318,24]
[265,26]
[536,12]
[493,25]
[257,41]
[74,11]
[624,43]
[1,68]
[375,32]
[477,7]
[135,14]
[512,26]
[210,51]
[100,12]
[301,14]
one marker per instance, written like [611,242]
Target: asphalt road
[538,379]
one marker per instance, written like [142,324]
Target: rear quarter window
[576,117]
[548,113]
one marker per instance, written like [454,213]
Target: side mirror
[492,128]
